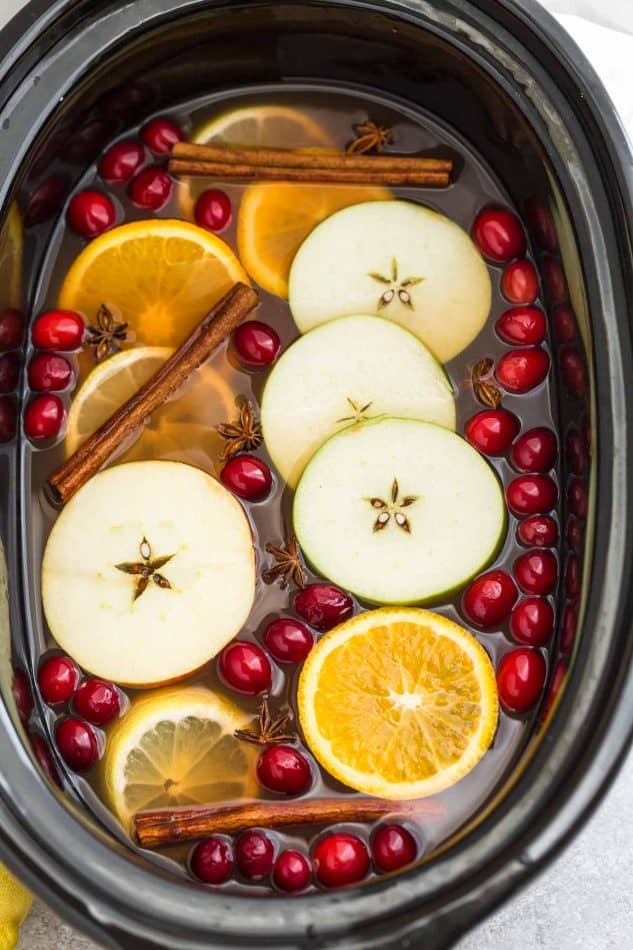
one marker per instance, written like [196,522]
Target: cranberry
[575,452]
[77,744]
[44,758]
[564,324]
[523,325]
[499,235]
[541,223]
[558,678]
[340,859]
[554,280]
[254,854]
[574,534]
[535,450]
[519,283]
[256,344]
[572,370]
[577,498]
[151,188]
[212,860]
[521,370]
[532,621]
[281,768]
[43,417]
[90,213]
[121,160]
[213,210]
[492,430]
[8,418]
[520,678]
[57,679]
[323,605]
[289,641]
[97,701]
[125,101]
[58,330]
[393,847]
[49,372]
[22,694]
[531,495]
[490,598]
[86,142]
[47,200]
[539,531]
[247,477]
[292,872]
[11,329]
[572,577]
[160,135]
[569,627]
[246,668]
[536,572]
[10,365]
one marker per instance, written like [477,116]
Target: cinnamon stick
[167,826]
[100,446]
[311,175]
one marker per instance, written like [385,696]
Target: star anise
[392,508]
[370,137]
[106,335]
[483,384]
[243,434]
[147,569]
[288,564]
[269,730]
[395,286]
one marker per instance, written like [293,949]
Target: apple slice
[397,259]
[399,511]
[148,572]
[356,367]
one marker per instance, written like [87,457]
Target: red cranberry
[541,223]
[8,418]
[532,621]
[90,213]
[519,283]
[577,498]
[574,534]
[213,210]
[575,452]
[10,364]
[77,744]
[281,768]
[569,627]
[289,641]
[151,188]
[292,872]
[44,758]
[121,160]
[572,370]
[393,847]
[247,477]
[254,854]
[521,370]
[86,142]
[256,344]
[554,280]
[22,694]
[97,701]
[523,325]
[520,678]
[539,531]
[490,598]
[535,450]
[492,430]
[46,200]
[49,372]
[499,235]
[58,330]
[572,577]
[160,135]
[323,605]
[558,678]
[564,324]
[212,860]
[125,101]
[43,417]
[536,572]
[531,494]
[246,668]
[340,859]
[11,329]
[57,679]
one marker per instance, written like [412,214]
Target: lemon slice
[176,747]
[11,258]
[263,125]
[398,702]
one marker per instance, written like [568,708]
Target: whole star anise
[370,137]
[269,730]
[147,569]
[288,564]
[106,335]
[483,384]
[243,434]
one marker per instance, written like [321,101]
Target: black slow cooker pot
[512,83]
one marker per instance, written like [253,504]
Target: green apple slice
[356,367]
[148,572]
[399,511]
[399,260]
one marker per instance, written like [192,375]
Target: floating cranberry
[47,200]
[57,679]
[44,758]
[11,329]
[531,495]
[86,142]
[577,498]
[125,101]
[248,477]
[554,280]
[575,452]
[519,371]
[8,418]
[535,450]
[58,330]
[213,210]
[212,860]
[520,679]
[492,430]
[323,605]
[340,859]
[160,135]
[43,417]
[280,768]
[77,744]
[519,283]
[49,372]
[393,847]
[523,325]
[574,534]
[292,872]
[564,324]
[532,621]
[151,188]
[288,640]
[22,694]
[256,344]
[90,213]
[541,223]
[569,627]
[572,370]
[121,160]
[490,598]
[539,531]
[536,572]
[254,854]
[499,235]
[572,577]
[97,701]
[10,364]
[246,668]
